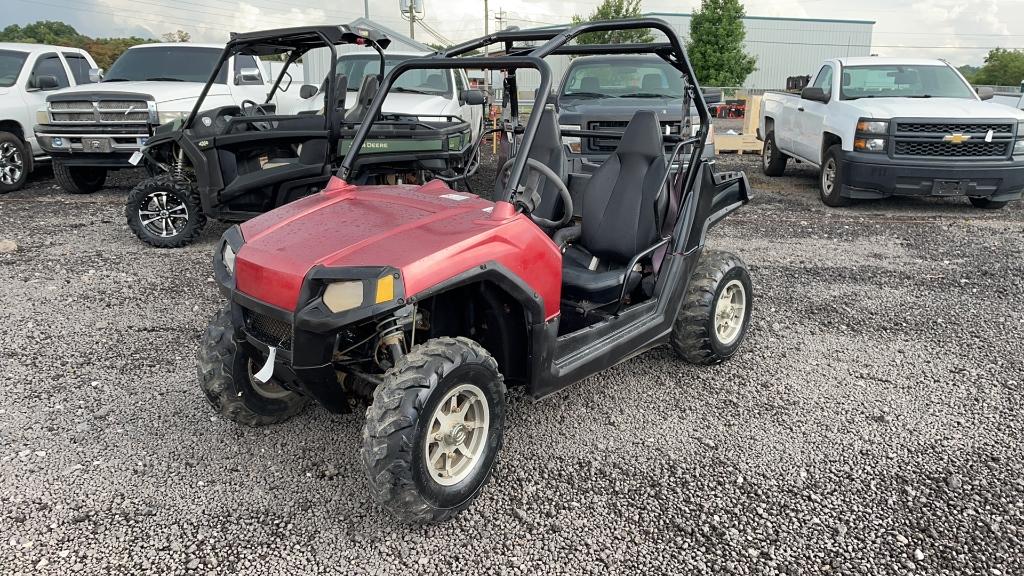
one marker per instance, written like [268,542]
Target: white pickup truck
[879,127]
[93,128]
[28,72]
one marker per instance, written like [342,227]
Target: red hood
[428,232]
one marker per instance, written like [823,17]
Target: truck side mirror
[473,97]
[248,76]
[307,91]
[986,92]
[95,75]
[815,94]
[44,82]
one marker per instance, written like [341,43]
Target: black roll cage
[555,41]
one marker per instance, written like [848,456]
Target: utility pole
[487,52]
[366,9]
[412,19]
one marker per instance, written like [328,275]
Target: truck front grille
[100,112]
[609,144]
[990,140]
[269,330]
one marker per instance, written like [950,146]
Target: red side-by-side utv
[429,302]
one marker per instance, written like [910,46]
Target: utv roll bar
[555,41]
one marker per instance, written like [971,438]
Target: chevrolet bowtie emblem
[956,138]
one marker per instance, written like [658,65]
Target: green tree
[613,10]
[103,50]
[1002,68]
[969,71]
[176,36]
[716,44]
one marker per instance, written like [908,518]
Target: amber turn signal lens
[385,289]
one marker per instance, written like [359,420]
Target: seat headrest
[589,84]
[642,135]
[368,89]
[341,82]
[651,82]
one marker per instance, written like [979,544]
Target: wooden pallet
[746,142]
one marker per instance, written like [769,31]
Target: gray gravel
[871,424]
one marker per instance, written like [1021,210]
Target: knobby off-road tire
[400,432]
[165,212]
[773,161]
[697,334]
[225,369]
[15,162]
[987,204]
[79,179]
[831,177]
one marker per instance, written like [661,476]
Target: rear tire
[716,312]
[424,465]
[773,162]
[830,179]
[79,179]
[165,212]
[15,162]
[225,367]
[987,204]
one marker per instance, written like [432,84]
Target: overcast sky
[934,28]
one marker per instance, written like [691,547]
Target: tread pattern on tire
[836,199]
[67,180]
[26,156]
[389,432]
[216,377]
[185,190]
[690,336]
[777,166]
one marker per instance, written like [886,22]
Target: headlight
[869,144]
[1018,148]
[342,296]
[228,257]
[42,116]
[866,126]
[573,142]
[166,117]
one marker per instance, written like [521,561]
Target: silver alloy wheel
[828,176]
[163,214]
[269,389]
[457,435]
[730,312]
[767,156]
[12,165]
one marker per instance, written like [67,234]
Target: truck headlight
[228,258]
[573,142]
[342,296]
[42,116]
[869,144]
[1018,146]
[868,126]
[166,117]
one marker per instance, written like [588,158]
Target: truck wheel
[165,212]
[225,376]
[434,429]
[715,314]
[830,179]
[773,162]
[79,179]
[13,162]
[987,204]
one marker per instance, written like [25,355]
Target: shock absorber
[178,170]
[392,337]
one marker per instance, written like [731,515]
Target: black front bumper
[870,176]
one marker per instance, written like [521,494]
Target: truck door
[810,119]
[46,65]
[469,113]
[247,86]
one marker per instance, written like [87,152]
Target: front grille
[933,128]
[269,330]
[979,149]
[100,112]
[609,144]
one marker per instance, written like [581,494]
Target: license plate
[96,145]
[949,187]
[136,158]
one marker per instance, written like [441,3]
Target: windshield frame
[21,67]
[390,61]
[626,62]
[215,53]
[969,93]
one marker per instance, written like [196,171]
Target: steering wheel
[537,173]
[251,108]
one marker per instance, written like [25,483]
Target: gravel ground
[870,425]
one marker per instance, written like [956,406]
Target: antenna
[412,10]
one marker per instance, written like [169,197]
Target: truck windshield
[170,63]
[11,62]
[434,82]
[638,78]
[901,81]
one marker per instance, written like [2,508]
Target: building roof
[776,18]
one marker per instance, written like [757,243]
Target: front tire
[986,203]
[716,312]
[79,179]
[165,212]
[434,430]
[225,370]
[14,162]
[773,161]
[830,179]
